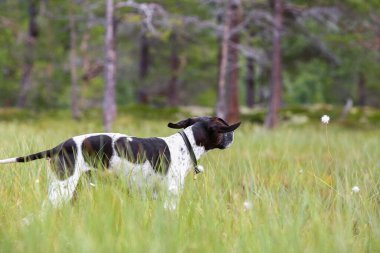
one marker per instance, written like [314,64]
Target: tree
[173,96]
[272,119]
[250,82]
[145,61]
[221,102]
[33,32]
[362,90]
[109,103]
[144,55]
[75,88]
[233,114]
[250,72]
[228,101]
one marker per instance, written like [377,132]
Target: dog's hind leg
[61,191]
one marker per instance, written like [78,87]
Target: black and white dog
[142,160]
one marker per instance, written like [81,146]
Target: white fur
[180,164]
[10,160]
[140,175]
[61,191]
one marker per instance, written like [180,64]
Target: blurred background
[265,61]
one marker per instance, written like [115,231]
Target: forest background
[226,55]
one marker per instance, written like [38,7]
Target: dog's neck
[198,150]
[179,148]
[181,162]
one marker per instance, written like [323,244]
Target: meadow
[288,190]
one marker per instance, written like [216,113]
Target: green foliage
[256,116]
[357,117]
[149,112]
[309,75]
[207,98]
[308,85]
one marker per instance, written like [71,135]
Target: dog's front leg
[172,198]
[175,183]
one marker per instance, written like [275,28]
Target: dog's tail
[28,158]
[66,147]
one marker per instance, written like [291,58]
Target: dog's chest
[179,153]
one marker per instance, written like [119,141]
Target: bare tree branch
[319,44]
[7,23]
[148,10]
[328,16]
[256,53]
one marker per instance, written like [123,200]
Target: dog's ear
[225,129]
[182,124]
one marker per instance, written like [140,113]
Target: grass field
[298,179]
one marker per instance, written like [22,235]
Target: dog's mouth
[228,139]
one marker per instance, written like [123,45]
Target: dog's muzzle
[228,139]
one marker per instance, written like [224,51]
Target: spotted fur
[142,160]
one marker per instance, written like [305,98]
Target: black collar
[191,151]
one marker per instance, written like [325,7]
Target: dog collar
[197,168]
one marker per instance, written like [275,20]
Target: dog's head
[209,132]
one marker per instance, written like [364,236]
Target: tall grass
[299,184]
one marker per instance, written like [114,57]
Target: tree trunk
[142,94]
[221,106]
[144,56]
[85,67]
[233,114]
[250,82]
[264,88]
[362,90]
[272,119]
[26,80]
[250,72]
[173,97]
[75,89]
[109,103]
[219,20]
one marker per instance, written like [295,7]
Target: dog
[142,160]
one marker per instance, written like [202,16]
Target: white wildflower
[26,221]
[325,119]
[248,205]
[355,189]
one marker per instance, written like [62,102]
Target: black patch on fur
[204,136]
[155,150]
[63,159]
[206,133]
[97,151]
[39,155]
[32,157]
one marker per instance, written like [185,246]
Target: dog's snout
[228,138]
